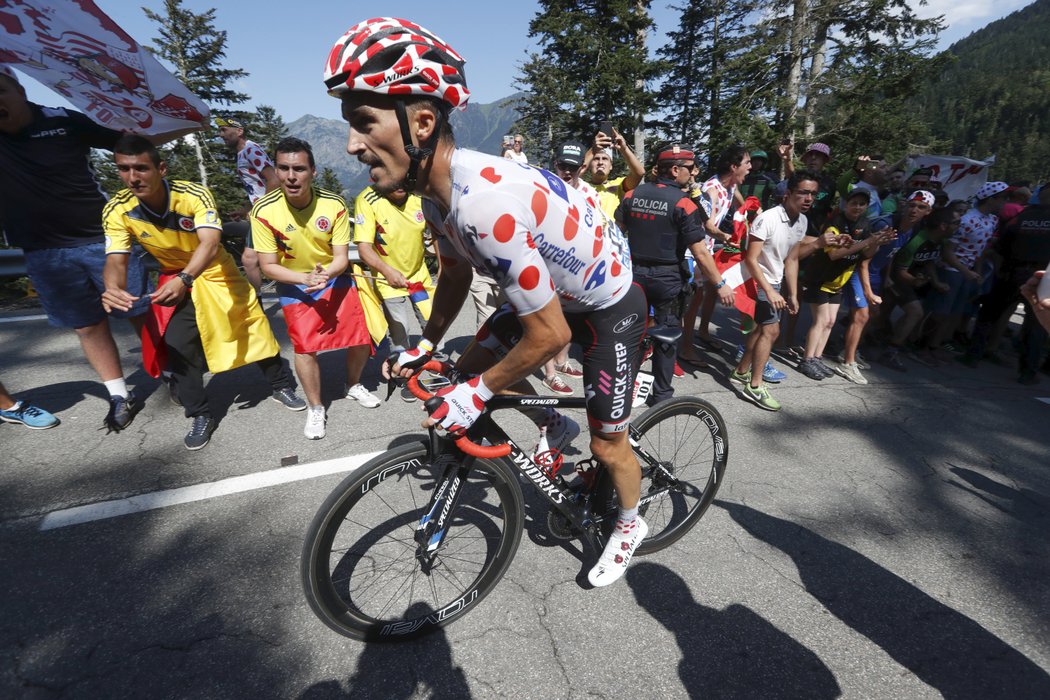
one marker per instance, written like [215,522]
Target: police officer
[1025,248]
[661,222]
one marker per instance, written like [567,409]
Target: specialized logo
[625,323]
[539,402]
[323,223]
[537,476]
[186,223]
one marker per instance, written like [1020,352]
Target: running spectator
[388,231]
[257,176]
[1024,247]
[515,153]
[303,237]
[913,276]
[773,251]
[661,223]
[204,310]
[599,170]
[24,413]
[717,195]
[52,204]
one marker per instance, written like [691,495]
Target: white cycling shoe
[617,555]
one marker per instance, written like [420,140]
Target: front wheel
[359,566]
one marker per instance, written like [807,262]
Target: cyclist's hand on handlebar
[406,362]
[460,407]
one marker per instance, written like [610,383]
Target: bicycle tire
[359,570]
[688,434]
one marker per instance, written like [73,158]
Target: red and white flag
[74,48]
[730,260]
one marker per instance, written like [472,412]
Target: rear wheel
[686,440]
[359,566]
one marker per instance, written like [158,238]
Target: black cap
[571,153]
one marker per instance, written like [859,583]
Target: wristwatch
[187,279]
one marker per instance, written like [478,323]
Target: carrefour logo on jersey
[559,256]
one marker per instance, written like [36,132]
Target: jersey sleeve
[364,219]
[205,213]
[118,235]
[499,225]
[341,225]
[263,238]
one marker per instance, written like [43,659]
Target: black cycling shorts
[611,339]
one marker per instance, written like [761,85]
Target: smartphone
[606,128]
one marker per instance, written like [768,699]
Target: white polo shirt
[779,235]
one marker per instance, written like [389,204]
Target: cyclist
[564,268]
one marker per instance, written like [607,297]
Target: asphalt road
[885,541]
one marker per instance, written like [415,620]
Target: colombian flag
[328,319]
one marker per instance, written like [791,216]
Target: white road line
[200,492]
[15,319]
[1044,400]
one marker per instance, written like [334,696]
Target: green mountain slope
[995,97]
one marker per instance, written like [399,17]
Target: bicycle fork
[433,526]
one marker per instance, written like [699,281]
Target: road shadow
[729,653]
[417,668]
[944,648]
[1021,503]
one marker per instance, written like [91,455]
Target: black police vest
[652,224]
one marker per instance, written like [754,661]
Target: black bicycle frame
[454,466]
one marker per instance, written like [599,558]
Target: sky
[284,49]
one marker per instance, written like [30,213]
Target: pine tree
[191,44]
[592,65]
[268,128]
[330,181]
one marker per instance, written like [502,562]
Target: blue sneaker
[770,374]
[28,415]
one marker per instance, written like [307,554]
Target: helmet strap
[416,154]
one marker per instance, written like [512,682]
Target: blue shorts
[959,299]
[69,282]
[853,293]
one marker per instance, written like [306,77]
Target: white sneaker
[314,423]
[561,434]
[612,564]
[363,396]
[850,372]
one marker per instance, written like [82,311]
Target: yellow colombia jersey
[234,330]
[301,238]
[397,235]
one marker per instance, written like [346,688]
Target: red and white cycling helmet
[393,56]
